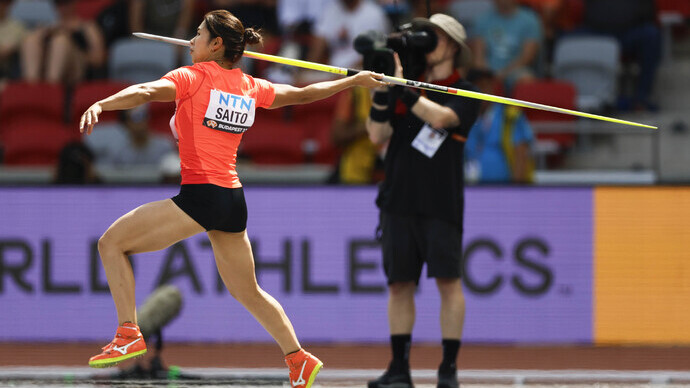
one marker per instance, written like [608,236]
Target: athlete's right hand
[90,118]
[369,79]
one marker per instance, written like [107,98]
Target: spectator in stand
[162,17]
[296,19]
[359,161]
[12,33]
[498,148]
[336,30]
[295,13]
[550,12]
[64,52]
[170,169]
[422,8]
[259,14]
[131,143]
[76,166]
[403,11]
[632,23]
[506,41]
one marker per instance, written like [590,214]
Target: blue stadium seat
[34,13]
[467,11]
[136,60]
[591,63]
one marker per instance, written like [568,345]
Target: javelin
[405,82]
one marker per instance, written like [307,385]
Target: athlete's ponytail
[223,24]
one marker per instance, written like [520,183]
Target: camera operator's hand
[398,65]
[368,79]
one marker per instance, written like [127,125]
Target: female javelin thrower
[216,103]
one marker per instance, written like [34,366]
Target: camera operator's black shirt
[415,184]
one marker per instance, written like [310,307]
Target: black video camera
[411,44]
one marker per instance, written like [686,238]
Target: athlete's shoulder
[254,82]
[205,67]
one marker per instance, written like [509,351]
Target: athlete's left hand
[90,118]
[369,79]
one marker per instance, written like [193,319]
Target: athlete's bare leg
[150,227]
[401,307]
[452,307]
[235,263]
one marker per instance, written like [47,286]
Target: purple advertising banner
[528,266]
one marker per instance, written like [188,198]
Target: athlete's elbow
[306,95]
[145,93]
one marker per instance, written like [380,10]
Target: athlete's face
[203,48]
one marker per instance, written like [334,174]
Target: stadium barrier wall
[529,268]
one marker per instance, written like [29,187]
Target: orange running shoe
[128,343]
[303,368]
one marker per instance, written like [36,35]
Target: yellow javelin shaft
[509,101]
[408,83]
[441,89]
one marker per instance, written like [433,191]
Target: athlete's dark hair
[223,24]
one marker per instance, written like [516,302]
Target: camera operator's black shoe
[447,378]
[392,379]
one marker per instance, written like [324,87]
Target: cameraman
[421,198]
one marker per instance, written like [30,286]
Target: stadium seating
[90,9]
[274,138]
[591,63]
[467,11]
[35,141]
[680,6]
[34,13]
[32,129]
[136,60]
[159,116]
[85,94]
[554,93]
[291,135]
[317,118]
[31,99]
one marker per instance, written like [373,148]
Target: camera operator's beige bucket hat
[451,27]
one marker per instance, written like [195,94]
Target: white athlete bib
[229,112]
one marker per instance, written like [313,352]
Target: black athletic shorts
[410,241]
[214,207]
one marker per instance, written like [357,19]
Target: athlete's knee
[402,289]
[107,244]
[449,286]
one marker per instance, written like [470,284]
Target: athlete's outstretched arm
[290,95]
[160,90]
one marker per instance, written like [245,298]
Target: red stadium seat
[35,141]
[22,99]
[159,116]
[90,9]
[274,138]
[85,94]
[554,93]
[317,118]
[680,6]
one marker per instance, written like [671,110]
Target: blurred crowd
[593,55]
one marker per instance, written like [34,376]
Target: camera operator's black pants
[410,241]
